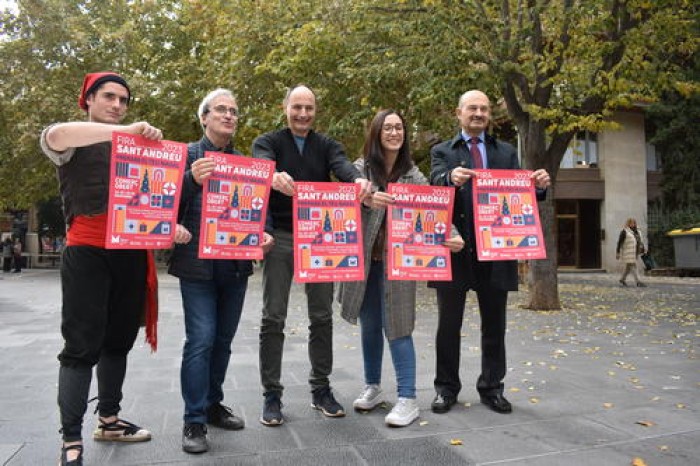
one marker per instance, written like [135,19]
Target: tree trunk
[542,274]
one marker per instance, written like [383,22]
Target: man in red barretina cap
[104,291]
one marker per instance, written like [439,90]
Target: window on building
[582,151]
[653,159]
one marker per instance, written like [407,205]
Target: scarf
[91,231]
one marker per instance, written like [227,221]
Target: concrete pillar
[622,160]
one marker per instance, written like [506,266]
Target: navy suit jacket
[467,271]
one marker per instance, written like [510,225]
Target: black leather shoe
[194,438]
[221,416]
[442,403]
[497,403]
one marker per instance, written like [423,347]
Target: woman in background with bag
[629,246]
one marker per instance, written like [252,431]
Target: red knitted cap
[93,80]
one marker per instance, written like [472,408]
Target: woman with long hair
[629,247]
[385,307]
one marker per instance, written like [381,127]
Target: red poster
[506,219]
[234,206]
[418,223]
[145,186]
[327,233]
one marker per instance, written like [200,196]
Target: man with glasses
[452,164]
[300,154]
[104,290]
[212,290]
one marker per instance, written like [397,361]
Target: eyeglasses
[389,128]
[223,110]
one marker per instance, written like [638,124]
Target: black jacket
[184,262]
[322,156]
[467,271]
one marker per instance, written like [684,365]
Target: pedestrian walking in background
[629,247]
[7,253]
[17,255]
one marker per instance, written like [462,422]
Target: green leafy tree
[563,67]
[552,68]
[47,48]
[673,126]
[556,68]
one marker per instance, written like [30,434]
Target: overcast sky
[8,3]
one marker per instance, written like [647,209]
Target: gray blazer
[400,296]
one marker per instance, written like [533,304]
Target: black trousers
[103,301]
[492,309]
[6,264]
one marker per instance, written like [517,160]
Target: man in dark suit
[452,164]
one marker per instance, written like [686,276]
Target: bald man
[300,154]
[452,164]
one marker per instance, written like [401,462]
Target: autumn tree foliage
[553,68]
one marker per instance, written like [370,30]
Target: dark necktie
[476,153]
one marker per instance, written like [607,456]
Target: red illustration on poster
[327,233]
[418,223]
[145,186]
[506,218]
[234,206]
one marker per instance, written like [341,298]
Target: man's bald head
[300,109]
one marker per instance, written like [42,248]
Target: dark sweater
[184,262]
[321,157]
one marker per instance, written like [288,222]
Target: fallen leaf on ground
[663,447]
[608,405]
[680,406]
[645,423]
[455,441]
[423,423]
[534,400]
[638,462]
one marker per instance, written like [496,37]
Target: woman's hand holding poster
[418,223]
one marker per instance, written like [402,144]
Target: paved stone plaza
[613,377]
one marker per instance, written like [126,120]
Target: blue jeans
[212,312]
[372,326]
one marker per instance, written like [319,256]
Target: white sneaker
[369,399]
[405,411]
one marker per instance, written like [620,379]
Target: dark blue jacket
[184,262]
[467,271]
